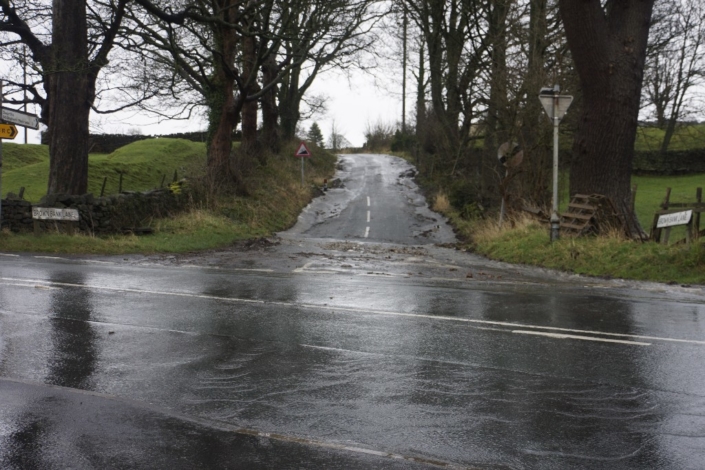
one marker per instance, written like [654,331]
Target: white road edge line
[32,283]
[585,338]
[10,255]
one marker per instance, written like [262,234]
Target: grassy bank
[275,198]
[143,165]
[523,240]
[527,242]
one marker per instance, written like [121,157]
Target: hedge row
[675,162]
[108,143]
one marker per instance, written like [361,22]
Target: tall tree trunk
[68,77]
[249,146]
[421,121]
[443,72]
[496,123]
[536,169]
[270,130]
[223,118]
[289,100]
[224,107]
[609,51]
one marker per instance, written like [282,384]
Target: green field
[143,164]
[685,137]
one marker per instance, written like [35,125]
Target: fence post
[699,200]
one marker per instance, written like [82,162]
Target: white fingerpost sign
[20,118]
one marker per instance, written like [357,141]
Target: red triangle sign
[303,151]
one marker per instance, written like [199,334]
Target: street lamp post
[555,106]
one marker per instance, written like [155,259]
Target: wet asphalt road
[317,351]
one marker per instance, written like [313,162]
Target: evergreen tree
[315,135]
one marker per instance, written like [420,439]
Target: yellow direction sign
[8,131]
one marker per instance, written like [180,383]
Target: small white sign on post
[556,105]
[51,213]
[677,218]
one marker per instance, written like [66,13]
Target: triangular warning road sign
[302,151]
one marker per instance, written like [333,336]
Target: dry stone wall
[117,213]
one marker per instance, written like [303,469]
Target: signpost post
[555,106]
[2,97]
[9,131]
[302,152]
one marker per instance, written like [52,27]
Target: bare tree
[326,35]
[675,64]
[336,140]
[456,42]
[240,53]
[70,61]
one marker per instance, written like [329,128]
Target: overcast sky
[353,103]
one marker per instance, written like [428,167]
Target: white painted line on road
[367,232]
[336,446]
[95,261]
[368,217]
[38,286]
[586,338]
[304,267]
[49,257]
[42,282]
[368,201]
[32,283]
[10,255]
[249,270]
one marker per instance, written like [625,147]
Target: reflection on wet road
[418,369]
[319,352]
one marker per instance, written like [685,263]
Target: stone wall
[118,213]
[16,214]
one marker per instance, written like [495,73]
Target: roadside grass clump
[270,201]
[526,241]
[190,231]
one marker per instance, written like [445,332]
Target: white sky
[353,103]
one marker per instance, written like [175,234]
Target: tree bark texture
[535,177]
[224,107]
[497,123]
[609,51]
[270,112]
[249,107]
[71,91]
[289,100]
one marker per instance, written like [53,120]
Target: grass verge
[523,240]
[275,199]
